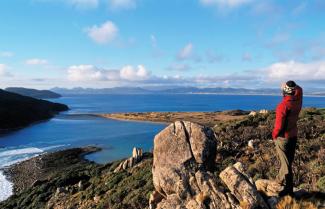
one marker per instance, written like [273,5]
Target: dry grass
[205,118]
[288,202]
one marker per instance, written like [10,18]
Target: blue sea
[117,138]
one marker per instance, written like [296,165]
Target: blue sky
[107,43]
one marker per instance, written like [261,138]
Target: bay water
[75,128]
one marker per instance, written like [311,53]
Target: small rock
[268,187]
[252,113]
[59,190]
[251,144]
[96,199]
[80,186]
[264,111]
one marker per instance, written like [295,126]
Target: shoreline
[221,94]
[40,167]
[6,186]
[205,118]
[128,120]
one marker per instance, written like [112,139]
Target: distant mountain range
[39,94]
[176,90]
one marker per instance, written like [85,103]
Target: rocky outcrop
[137,155]
[268,187]
[252,113]
[184,153]
[263,112]
[242,187]
[184,158]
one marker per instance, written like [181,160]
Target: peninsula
[17,111]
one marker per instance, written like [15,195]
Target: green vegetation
[261,162]
[38,94]
[88,185]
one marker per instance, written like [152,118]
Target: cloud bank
[93,73]
[269,75]
[3,71]
[292,70]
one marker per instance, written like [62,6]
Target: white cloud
[131,73]
[292,70]
[85,73]
[93,73]
[186,52]
[225,3]
[84,4]
[104,33]
[122,4]
[6,54]
[3,71]
[36,61]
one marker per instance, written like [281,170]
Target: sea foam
[6,187]
[10,156]
[15,152]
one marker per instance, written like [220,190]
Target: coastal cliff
[17,111]
[225,165]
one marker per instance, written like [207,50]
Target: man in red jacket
[285,133]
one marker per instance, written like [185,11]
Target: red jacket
[287,113]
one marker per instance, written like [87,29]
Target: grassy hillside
[17,111]
[39,94]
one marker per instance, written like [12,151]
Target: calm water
[117,138]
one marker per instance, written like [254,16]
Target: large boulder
[180,150]
[184,153]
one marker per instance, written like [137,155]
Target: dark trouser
[285,149]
